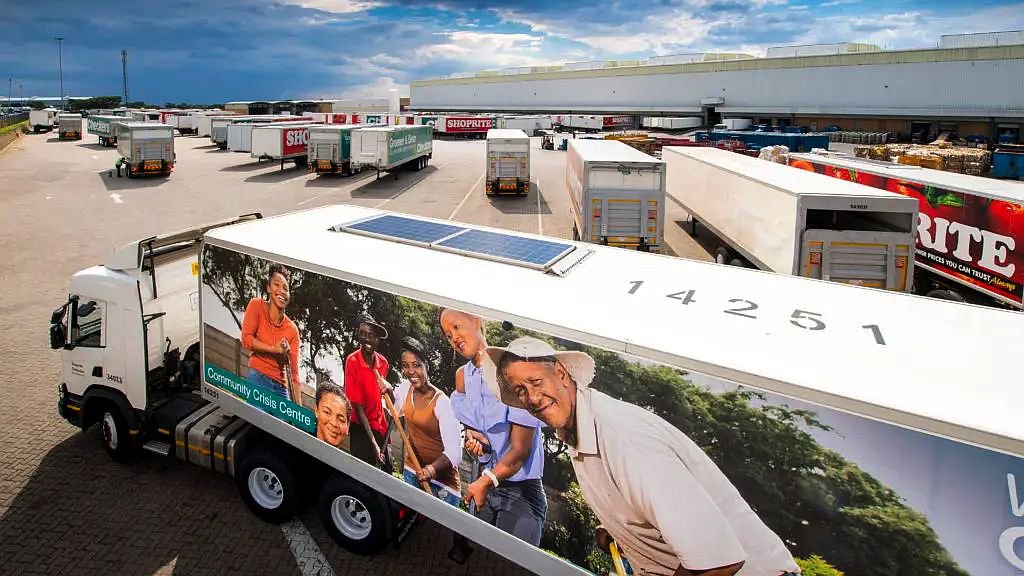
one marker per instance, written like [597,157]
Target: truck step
[157,447]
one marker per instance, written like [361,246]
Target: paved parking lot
[64,506]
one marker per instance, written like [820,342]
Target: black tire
[114,434]
[737,262]
[575,233]
[268,485]
[722,255]
[354,516]
[943,294]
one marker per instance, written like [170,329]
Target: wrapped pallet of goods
[778,154]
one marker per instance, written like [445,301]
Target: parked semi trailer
[463,126]
[388,148]
[970,229]
[69,127]
[771,217]
[240,132]
[815,390]
[330,148]
[43,120]
[281,141]
[617,194]
[104,127]
[145,148]
[507,162]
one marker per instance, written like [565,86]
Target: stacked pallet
[962,160]
[638,140]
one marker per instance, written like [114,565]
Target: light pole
[21,94]
[60,63]
[10,84]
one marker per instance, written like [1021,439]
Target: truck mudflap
[69,406]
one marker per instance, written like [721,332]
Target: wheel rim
[351,518]
[109,430]
[265,488]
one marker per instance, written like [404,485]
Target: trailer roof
[989,187]
[932,365]
[147,125]
[506,134]
[779,176]
[609,151]
[339,127]
[281,125]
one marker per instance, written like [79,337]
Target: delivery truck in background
[151,354]
[330,148]
[145,148]
[774,218]
[104,127]
[389,148]
[617,195]
[43,120]
[507,162]
[69,127]
[970,229]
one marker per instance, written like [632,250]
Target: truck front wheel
[268,485]
[117,440]
[356,518]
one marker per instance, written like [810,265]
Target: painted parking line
[466,197]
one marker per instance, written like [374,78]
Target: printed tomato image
[1007,218]
[802,164]
[909,189]
[869,179]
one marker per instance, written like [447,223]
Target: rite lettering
[995,248]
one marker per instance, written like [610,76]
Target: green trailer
[103,126]
[388,148]
[330,148]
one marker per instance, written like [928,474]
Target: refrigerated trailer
[330,148]
[145,148]
[617,194]
[240,133]
[105,128]
[281,141]
[42,120]
[774,218]
[507,162]
[801,415]
[69,127]
[970,229]
[387,149]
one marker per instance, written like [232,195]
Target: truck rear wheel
[355,517]
[943,294]
[268,485]
[722,255]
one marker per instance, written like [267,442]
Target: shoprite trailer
[330,148]
[281,142]
[616,194]
[799,413]
[145,148]
[240,133]
[507,162]
[104,128]
[463,126]
[970,229]
[774,218]
[69,127]
[388,148]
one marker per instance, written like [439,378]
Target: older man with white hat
[666,504]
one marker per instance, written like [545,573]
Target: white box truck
[330,148]
[69,127]
[42,120]
[104,127]
[802,415]
[772,217]
[281,141]
[388,148]
[617,195]
[507,162]
[145,148]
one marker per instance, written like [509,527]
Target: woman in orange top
[273,339]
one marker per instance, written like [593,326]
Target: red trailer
[464,126]
[970,230]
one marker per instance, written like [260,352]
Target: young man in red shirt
[365,373]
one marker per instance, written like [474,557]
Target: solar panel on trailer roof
[403,228]
[537,253]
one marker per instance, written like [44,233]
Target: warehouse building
[971,84]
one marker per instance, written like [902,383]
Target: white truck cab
[129,337]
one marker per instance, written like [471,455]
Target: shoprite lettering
[297,137]
[469,122]
[945,234]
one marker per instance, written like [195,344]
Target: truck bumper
[69,405]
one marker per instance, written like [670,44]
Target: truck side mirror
[87,308]
[58,337]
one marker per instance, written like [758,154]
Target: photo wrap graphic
[839,491]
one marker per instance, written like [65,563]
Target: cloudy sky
[220,50]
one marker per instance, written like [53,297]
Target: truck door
[93,355]
[873,259]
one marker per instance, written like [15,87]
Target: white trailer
[240,133]
[281,141]
[531,125]
[43,120]
[388,148]
[617,195]
[683,123]
[145,148]
[202,121]
[69,127]
[795,222]
[737,123]
[827,378]
[507,162]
